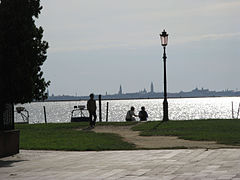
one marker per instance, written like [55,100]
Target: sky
[96,46]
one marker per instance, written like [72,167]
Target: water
[179,109]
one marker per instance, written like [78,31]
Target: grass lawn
[67,136]
[224,131]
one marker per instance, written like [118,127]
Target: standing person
[91,107]
[143,114]
[130,115]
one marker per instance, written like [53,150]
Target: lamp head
[164,38]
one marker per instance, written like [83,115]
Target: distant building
[196,90]
[143,94]
[144,91]
[120,90]
[151,89]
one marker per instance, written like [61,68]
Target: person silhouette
[130,115]
[143,114]
[91,107]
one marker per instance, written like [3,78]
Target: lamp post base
[9,142]
[165,110]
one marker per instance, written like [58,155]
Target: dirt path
[156,141]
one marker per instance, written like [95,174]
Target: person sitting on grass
[131,115]
[143,114]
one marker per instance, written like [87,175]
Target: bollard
[45,117]
[238,111]
[100,107]
[107,112]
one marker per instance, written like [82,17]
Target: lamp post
[164,42]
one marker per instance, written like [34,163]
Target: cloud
[147,43]
[90,47]
[78,25]
[206,37]
[226,5]
[220,36]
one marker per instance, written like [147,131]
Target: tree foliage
[22,52]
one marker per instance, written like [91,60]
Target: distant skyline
[97,45]
[149,89]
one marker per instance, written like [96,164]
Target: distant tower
[120,90]
[144,91]
[152,89]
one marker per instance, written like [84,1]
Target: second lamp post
[164,42]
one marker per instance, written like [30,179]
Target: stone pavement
[123,165]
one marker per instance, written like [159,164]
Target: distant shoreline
[195,93]
[105,99]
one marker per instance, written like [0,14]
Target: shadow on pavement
[8,163]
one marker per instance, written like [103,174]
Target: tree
[22,53]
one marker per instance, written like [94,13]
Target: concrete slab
[123,165]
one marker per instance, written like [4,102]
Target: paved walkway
[123,165]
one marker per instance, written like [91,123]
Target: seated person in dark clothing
[143,114]
[131,115]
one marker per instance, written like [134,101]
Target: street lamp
[164,42]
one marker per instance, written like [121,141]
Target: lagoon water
[179,109]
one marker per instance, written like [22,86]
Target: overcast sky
[97,45]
